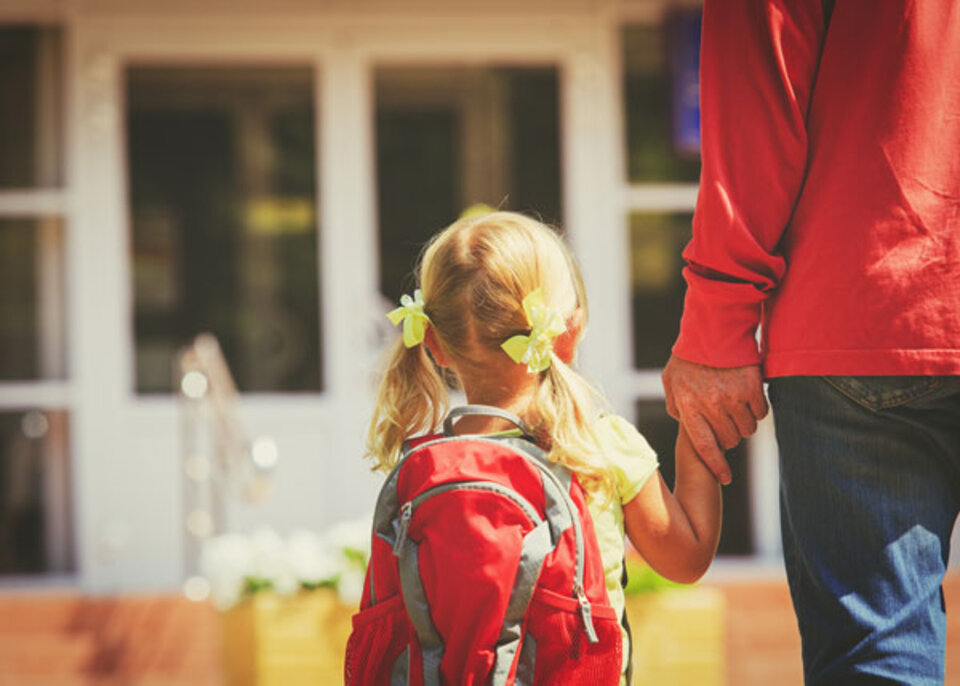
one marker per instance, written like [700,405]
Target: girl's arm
[677,533]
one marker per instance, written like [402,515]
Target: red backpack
[484,570]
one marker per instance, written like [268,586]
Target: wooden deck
[763,644]
[60,639]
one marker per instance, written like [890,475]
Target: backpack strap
[418,610]
[536,546]
[482,411]
[625,623]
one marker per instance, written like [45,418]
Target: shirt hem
[921,362]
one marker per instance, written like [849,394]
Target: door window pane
[656,243]
[35,505]
[30,107]
[451,137]
[660,430]
[32,322]
[223,207]
[661,82]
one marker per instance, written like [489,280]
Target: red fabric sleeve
[758,63]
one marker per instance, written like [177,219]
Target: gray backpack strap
[536,546]
[482,411]
[418,610]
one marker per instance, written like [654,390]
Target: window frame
[44,204]
[646,384]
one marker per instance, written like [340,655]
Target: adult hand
[717,407]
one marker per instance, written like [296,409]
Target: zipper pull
[406,512]
[586,614]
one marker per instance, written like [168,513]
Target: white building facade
[267,171]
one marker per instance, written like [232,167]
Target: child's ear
[565,345]
[433,345]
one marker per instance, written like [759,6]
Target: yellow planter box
[272,640]
[678,637]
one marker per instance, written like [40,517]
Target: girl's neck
[514,398]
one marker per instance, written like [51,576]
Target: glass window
[35,530]
[656,244]
[30,107]
[32,321]
[223,207]
[660,430]
[448,138]
[661,88]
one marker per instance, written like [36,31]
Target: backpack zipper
[406,512]
[586,614]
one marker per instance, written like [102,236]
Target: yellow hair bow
[546,324]
[414,319]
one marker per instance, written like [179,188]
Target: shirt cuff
[719,324]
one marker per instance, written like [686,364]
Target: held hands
[717,407]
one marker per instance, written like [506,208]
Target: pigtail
[565,410]
[412,399]
[474,275]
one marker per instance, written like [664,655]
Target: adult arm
[759,60]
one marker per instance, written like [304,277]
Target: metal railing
[221,463]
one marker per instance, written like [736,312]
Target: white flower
[234,564]
[350,586]
[226,562]
[352,535]
[270,563]
[352,538]
[310,558]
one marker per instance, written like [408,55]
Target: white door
[269,173]
[204,203]
[228,178]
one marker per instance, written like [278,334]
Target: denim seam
[902,399]
[791,557]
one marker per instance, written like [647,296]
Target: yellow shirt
[632,461]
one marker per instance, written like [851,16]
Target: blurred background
[267,172]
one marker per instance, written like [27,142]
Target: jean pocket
[884,392]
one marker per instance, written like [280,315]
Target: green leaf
[255,584]
[642,579]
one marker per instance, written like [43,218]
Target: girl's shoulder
[618,435]
[629,456]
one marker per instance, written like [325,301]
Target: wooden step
[38,657]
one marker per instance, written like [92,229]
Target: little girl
[502,306]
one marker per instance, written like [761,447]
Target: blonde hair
[474,276]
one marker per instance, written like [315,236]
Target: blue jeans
[869,492]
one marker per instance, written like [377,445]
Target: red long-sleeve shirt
[829,204]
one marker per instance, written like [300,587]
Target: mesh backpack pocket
[563,653]
[378,649]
